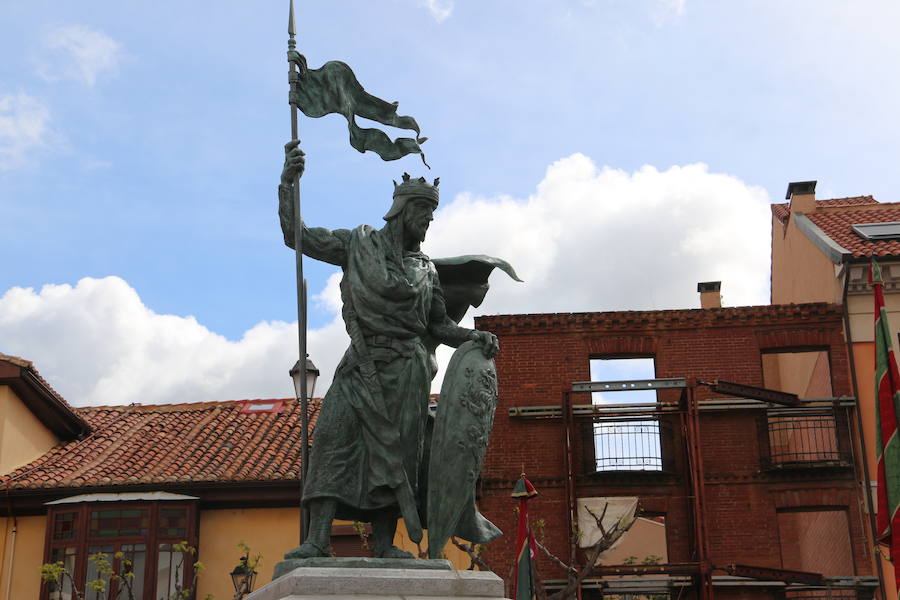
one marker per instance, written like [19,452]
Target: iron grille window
[627,445]
[805,438]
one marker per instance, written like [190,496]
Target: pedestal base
[360,562]
[346,583]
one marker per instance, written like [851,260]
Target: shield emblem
[462,428]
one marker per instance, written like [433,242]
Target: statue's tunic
[365,446]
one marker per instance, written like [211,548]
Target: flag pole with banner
[333,89]
[523,573]
[294,82]
[887,444]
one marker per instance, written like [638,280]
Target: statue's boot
[321,513]
[384,526]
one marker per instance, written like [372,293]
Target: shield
[465,417]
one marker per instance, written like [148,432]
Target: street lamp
[304,385]
[312,374]
[243,576]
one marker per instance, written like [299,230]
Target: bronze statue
[369,447]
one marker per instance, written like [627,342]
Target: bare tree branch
[559,562]
[592,553]
[473,555]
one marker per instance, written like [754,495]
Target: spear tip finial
[291,30]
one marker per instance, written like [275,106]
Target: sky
[615,152]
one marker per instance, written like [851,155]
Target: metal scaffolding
[808,424]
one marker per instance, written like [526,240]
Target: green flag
[333,88]
[887,444]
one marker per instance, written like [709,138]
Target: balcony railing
[631,445]
[807,438]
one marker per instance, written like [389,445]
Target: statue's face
[417,216]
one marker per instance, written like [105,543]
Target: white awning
[619,510]
[124,497]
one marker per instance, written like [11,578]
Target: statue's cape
[464,280]
[462,428]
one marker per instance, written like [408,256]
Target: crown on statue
[412,188]
[418,188]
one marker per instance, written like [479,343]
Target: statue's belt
[404,347]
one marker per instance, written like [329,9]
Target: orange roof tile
[837,224]
[200,442]
[781,211]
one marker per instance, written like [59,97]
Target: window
[877,231]
[800,437]
[623,443]
[816,540]
[144,533]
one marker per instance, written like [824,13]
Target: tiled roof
[781,211]
[201,442]
[837,224]
[29,366]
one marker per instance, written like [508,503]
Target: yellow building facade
[139,479]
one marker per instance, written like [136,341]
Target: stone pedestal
[378,583]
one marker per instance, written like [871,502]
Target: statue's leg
[384,526]
[321,514]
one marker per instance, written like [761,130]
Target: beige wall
[270,532]
[861,310]
[800,271]
[806,374]
[645,538]
[26,557]
[23,437]
[458,558]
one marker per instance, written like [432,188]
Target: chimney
[709,294]
[802,195]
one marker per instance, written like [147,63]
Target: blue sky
[612,149]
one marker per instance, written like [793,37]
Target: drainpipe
[12,556]
[859,426]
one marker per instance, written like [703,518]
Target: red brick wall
[542,354]
[817,541]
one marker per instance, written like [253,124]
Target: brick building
[769,487]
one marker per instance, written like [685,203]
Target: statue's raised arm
[318,242]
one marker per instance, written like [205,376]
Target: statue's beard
[417,232]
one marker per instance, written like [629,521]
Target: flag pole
[294,82]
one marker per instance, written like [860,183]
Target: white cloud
[78,52]
[98,344]
[665,11]
[594,238]
[587,239]
[24,126]
[439,9]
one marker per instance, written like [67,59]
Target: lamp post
[304,386]
[243,576]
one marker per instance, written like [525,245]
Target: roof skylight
[878,231]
